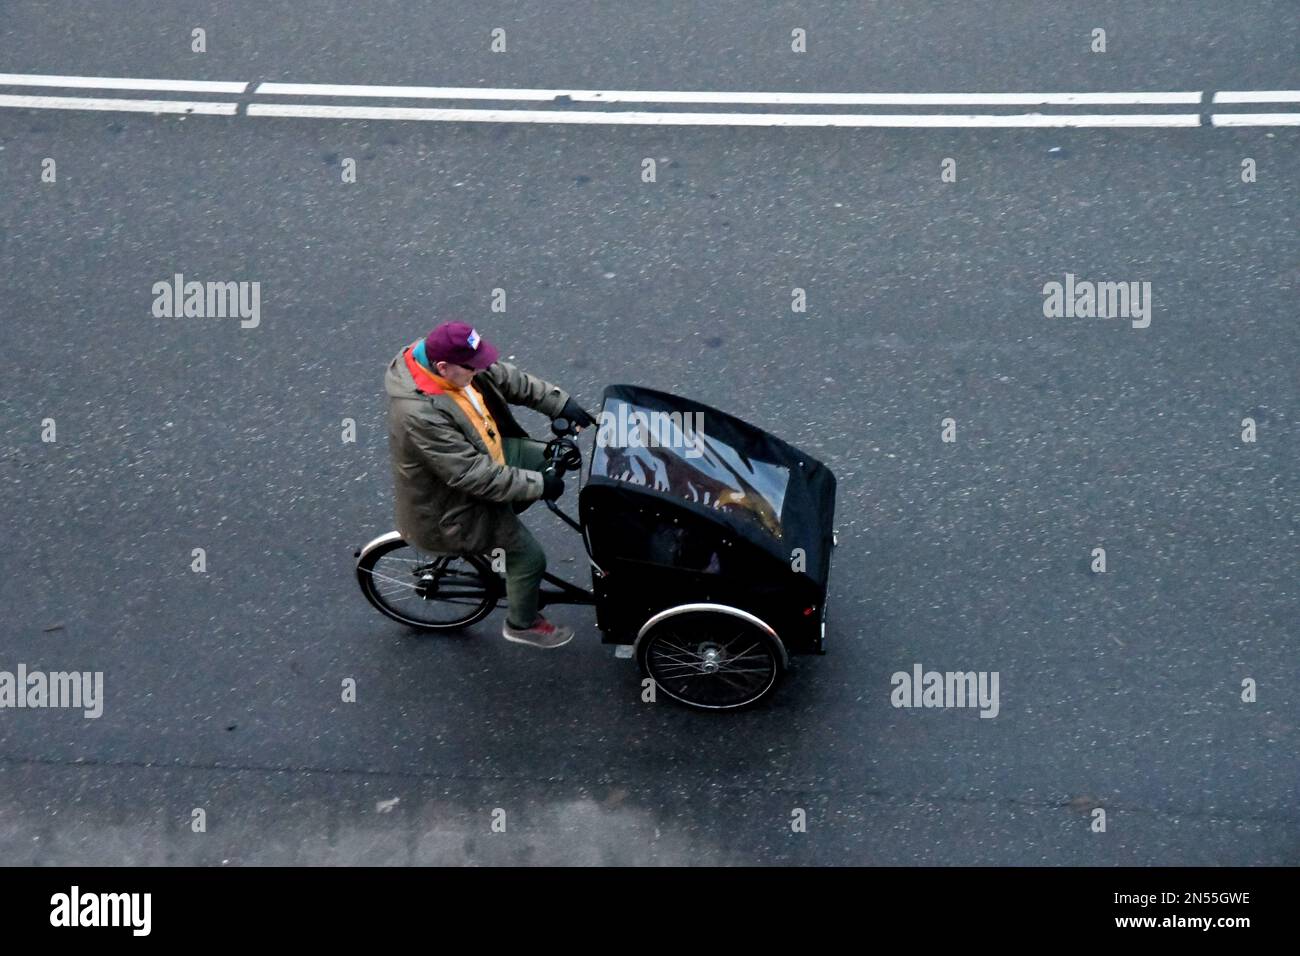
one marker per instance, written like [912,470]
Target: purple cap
[460,344]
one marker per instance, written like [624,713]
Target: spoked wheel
[431,592]
[710,656]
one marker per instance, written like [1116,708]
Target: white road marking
[705,96]
[120,83]
[1255,119]
[1257,96]
[405,92]
[591,117]
[634,118]
[127,106]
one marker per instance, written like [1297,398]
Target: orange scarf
[428,381]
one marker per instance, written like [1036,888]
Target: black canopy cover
[753,484]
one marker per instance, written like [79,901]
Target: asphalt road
[1120,691]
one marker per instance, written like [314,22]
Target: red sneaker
[542,634]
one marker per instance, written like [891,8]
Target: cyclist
[463,467]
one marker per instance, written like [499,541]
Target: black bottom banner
[329,906]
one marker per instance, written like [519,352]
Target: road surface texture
[1119,691]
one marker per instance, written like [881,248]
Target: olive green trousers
[525,559]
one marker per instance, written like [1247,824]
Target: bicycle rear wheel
[429,592]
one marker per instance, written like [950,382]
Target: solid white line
[120,83]
[672,96]
[597,117]
[1255,119]
[1257,96]
[126,106]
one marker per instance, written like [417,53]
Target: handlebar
[563,454]
[562,451]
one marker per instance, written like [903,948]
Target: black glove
[576,414]
[552,485]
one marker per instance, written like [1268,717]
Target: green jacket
[450,495]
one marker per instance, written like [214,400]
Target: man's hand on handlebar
[552,485]
[577,415]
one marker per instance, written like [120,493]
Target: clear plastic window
[673,452]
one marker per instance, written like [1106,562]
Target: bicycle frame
[564,592]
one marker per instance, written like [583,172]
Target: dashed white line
[1257,96]
[120,83]
[635,118]
[1255,119]
[709,96]
[128,106]
[641,119]
[407,92]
